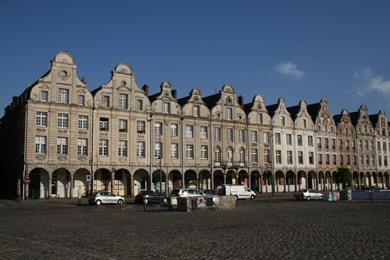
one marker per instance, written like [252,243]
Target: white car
[105,197]
[308,194]
[184,193]
[239,191]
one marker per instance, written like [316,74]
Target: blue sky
[338,50]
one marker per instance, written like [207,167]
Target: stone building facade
[64,141]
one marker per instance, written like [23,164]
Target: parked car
[151,197]
[105,197]
[239,191]
[184,193]
[308,194]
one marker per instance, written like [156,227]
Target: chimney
[174,93]
[145,88]
[241,100]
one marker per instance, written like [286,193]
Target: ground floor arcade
[65,183]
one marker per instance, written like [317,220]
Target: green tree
[344,177]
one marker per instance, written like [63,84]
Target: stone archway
[243,178]
[81,187]
[328,181]
[174,180]
[205,180]
[102,180]
[61,183]
[386,180]
[256,181]
[190,179]
[374,178]
[312,180]
[39,185]
[267,182]
[280,181]
[368,179]
[218,179]
[363,180]
[122,182]
[231,177]
[380,180]
[321,181]
[290,181]
[159,181]
[141,181]
[355,180]
[302,183]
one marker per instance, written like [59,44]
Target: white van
[240,191]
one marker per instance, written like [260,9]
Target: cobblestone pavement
[257,229]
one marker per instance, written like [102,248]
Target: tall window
[123,101]
[254,155]
[333,143]
[41,119]
[266,137]
[81,100]
[174,151]
[300,157]
[63,120]
[140,127]
[283,120]
[278,156]
[319,144]
[82,146]
[158,151]
[103,124]
[267,156]
[229,113]
[299,140]
[229,134]
[253,136]
[103,147]
[241,135]
[62,145]
[218,154]
[195,111]
[122,148]
[260,118]
[327,159]
[289,157]
[203,132]
[63,96]
[106,101]
[122,125]
[310,140]
[44,96]
[166,108]
[189,131]
[304,123]
[311,157]
[289,139]
[242,155]
[140,105]
[217,133]
[320,159]
[83,122]
[277,138]
[190,151]
[204,152]
[140,149]
[174,130]
[158,129]
[326,143]
[40,144]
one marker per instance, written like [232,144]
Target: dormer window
[283,120]
[106,101]
[166,108]
[81,100]
[140,105]
[304,123]
[260,118]
[63,96]
[229,113]
[44,96]
[123,101]
[195,111]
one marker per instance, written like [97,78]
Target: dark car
[151,197]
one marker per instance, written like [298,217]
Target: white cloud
[290,69]
[371,83]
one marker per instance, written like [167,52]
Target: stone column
[49,187]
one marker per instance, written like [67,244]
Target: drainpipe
[24,188]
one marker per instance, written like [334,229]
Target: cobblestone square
[259,229]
